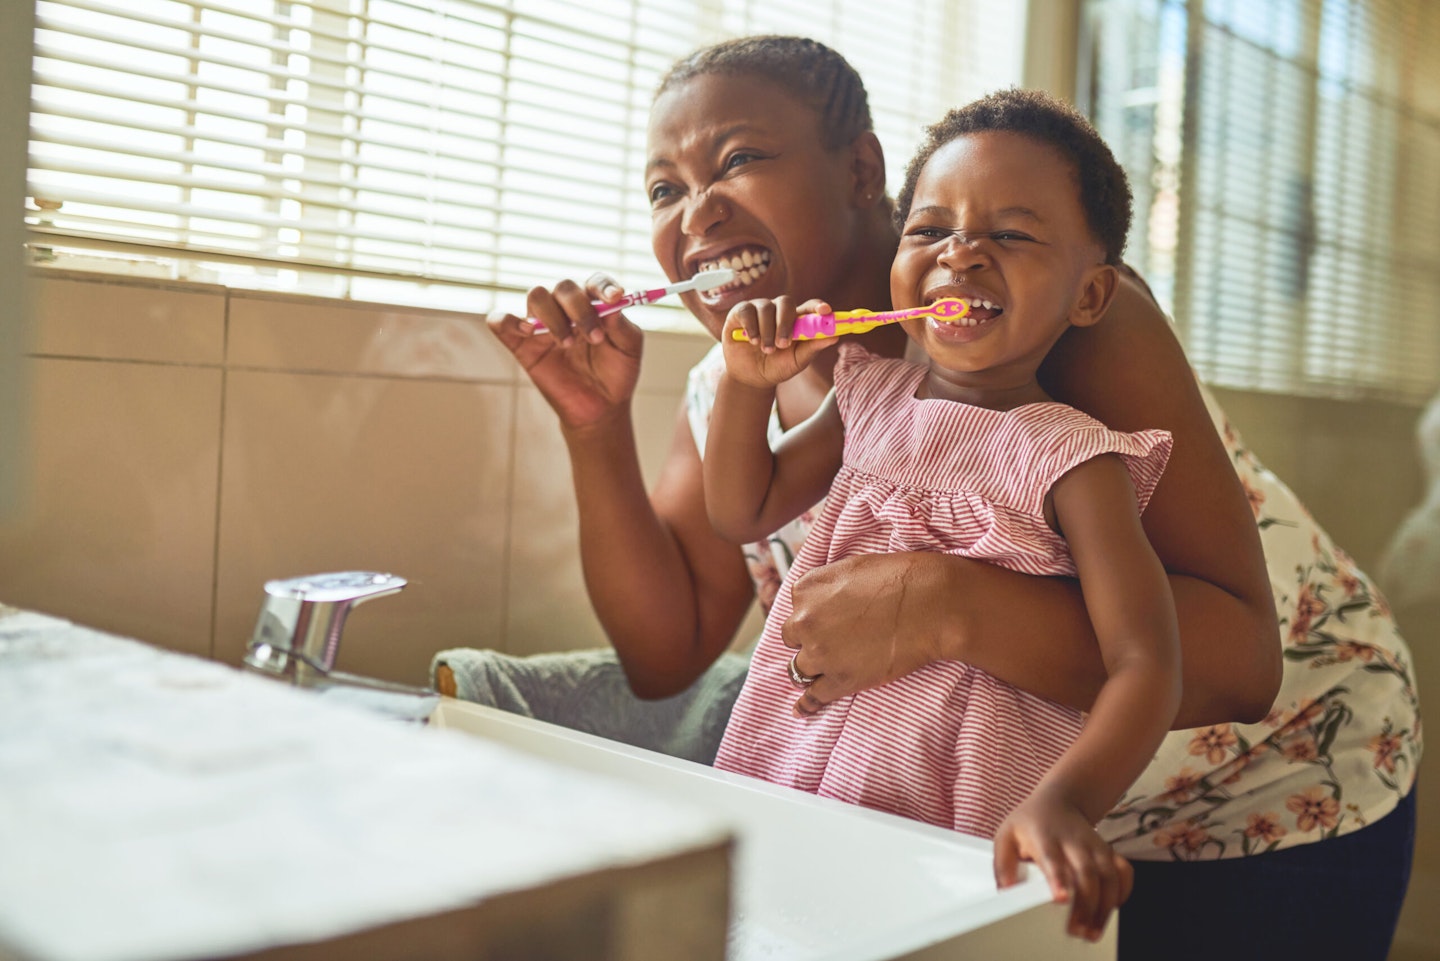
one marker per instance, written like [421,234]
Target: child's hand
[1080,867]
[770,356]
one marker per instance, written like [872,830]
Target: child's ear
[1101,282]
[867,167]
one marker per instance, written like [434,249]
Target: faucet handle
[298,633]
[352,586]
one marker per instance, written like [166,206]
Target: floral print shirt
[1340,746]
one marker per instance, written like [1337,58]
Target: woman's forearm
[640,578]
[1035,633]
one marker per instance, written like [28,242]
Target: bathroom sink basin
[819,880]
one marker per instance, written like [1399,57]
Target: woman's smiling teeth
[748,265]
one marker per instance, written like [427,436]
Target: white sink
[819,880]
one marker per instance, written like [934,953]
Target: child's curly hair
[1104,188]
[805,68]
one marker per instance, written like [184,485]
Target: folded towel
[587,691]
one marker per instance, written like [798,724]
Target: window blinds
[492,144]
[1283,159]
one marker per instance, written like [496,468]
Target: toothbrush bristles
[710,279]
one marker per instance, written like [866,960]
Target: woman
[762,149]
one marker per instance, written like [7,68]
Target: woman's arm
[668,592]
[1129,372]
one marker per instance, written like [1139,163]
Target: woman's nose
[703,212]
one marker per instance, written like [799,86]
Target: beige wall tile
[325,473]
[119,530]
[325,335]
[547,608]
[127,321]
[668,358]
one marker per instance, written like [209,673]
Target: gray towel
[587,691]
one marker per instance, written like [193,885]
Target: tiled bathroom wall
[192,442]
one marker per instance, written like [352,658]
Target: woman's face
[737,177]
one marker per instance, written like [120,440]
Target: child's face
[996,220]
[736,167]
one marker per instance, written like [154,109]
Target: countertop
[159,806]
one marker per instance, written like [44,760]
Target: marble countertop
[159,806]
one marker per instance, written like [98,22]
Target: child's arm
[751,491]
[1128,598]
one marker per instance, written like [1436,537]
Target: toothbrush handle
[807,327]
[605,310]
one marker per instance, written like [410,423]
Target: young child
[1015,205]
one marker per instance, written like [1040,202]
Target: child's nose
[964,252]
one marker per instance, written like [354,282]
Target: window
[1282,156]
[469,143]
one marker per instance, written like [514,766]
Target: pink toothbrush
[704,280]
[816,326]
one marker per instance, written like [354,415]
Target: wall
[191,443]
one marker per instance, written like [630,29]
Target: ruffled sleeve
[1144,452]
[853,355]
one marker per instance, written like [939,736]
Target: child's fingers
[1051,861]
[1007,858]
[743,316]
[1098,885]
[1125,871]
[807,349]
[815,306]
[765,312]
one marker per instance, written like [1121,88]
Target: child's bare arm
[751,491]
[1127,595]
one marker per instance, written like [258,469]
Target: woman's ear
[867,166]
[1098,290]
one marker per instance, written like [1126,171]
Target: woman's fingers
[601,286]
[574,300]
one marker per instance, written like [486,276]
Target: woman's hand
[768,356]
[585,365]
[864,621]
[1081,868]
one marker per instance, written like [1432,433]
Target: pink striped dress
[948,744]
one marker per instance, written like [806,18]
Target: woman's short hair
[1104,188]
[807,69]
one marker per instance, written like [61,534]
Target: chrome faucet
[297,640]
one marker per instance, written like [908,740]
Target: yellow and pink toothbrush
[816,326]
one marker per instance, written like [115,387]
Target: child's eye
[1008,235]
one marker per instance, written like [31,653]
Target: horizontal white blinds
[1284,155]
[497,143]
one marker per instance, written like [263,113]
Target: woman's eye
[739,159]
[659,193]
